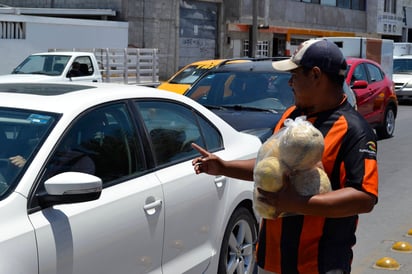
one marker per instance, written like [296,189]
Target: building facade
[189,30]
[281,25]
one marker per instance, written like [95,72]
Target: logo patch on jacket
[369,149]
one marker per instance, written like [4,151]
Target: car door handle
[220,181]
[151,208]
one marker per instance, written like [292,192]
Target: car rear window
[189,75]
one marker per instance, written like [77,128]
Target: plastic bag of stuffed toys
[295,150]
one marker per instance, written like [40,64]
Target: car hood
[26,78]
[178,88]
[258,123]
[401,78]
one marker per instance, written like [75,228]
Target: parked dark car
[249,96]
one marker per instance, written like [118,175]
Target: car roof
[64,97]
[254,65]
[202,62]
[74,53]
[352,60]
[215,62]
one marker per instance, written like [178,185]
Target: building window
[351,4]
[344,4]
[262,48]
[12,30]
[390,6]
[245,48]
[347,4]
[328,2]
[358,5]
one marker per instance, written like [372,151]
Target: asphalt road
[391,218]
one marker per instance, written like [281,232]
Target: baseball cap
[323,53]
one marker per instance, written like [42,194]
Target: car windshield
[21,134]
[189,75]
[248,90]
[51,65]
[402,65]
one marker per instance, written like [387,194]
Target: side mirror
[359,84]
[70,187]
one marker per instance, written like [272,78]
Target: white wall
[43,33]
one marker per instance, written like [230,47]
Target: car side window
[203,89]
[103,143]
[375,73]
[359,74]
[82,66]
[211,137]
[172,128]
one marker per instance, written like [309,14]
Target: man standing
[320,238]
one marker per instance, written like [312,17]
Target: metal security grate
[12,30]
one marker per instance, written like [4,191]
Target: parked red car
[375,94]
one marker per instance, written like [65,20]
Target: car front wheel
[237,251]
[387,128]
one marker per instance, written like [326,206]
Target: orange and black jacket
[312,244]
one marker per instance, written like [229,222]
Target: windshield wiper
[215,107]
[32,72]
[243,107]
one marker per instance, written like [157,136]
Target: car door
[192,201]
[377,88]
[82,69]
[363,94]
[122,231]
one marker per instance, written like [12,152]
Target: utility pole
[254,30]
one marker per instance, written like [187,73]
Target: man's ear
[316,73]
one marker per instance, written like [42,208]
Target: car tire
[238,246]
[387,128]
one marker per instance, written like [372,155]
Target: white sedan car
[98,179]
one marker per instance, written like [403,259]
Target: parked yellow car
[185,77]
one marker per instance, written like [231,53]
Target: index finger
[201,150]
